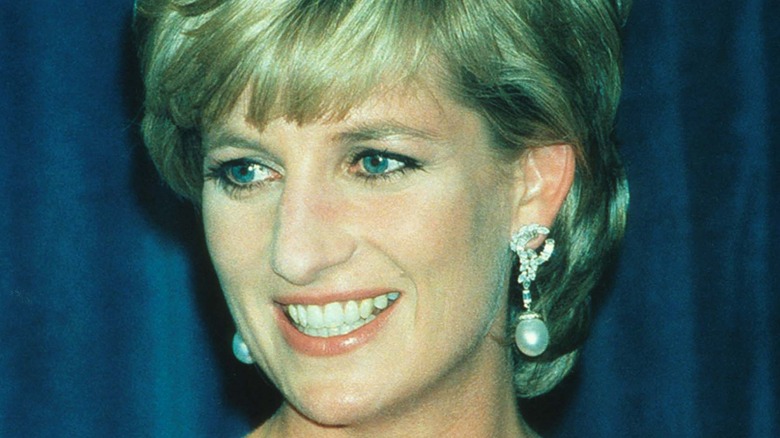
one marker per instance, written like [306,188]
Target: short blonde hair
[540,72]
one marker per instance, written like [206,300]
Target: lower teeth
[326,332]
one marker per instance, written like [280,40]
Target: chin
[333,407]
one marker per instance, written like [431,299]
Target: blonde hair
[539,71]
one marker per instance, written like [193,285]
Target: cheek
[236,238]
[449,240]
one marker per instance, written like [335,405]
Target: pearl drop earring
[240,350]
[531,334]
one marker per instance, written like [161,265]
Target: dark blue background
[111,321]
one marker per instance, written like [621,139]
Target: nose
[309,233]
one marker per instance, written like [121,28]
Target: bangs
[302,60]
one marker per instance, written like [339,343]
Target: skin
[314,224]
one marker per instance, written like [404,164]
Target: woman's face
[365,261]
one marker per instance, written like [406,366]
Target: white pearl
[532,337]
[240,350]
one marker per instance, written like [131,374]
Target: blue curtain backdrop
[111,322]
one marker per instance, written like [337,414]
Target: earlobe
[544,178]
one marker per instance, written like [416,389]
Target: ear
[544,176]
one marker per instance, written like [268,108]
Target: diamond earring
[240,350]
[531,334]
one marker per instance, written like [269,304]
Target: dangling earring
[531,335]
[240,350]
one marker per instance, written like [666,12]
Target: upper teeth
[337,318]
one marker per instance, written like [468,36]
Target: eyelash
[219,171]
[407,164]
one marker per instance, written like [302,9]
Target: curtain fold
[111,320]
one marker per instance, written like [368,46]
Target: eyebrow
[384,130]
[223,138]
[357,133]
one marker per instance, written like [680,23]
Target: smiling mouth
[337,318]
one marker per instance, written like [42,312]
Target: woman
[369,173]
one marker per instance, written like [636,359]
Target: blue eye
[381,164]
[375,164]
[243,173]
